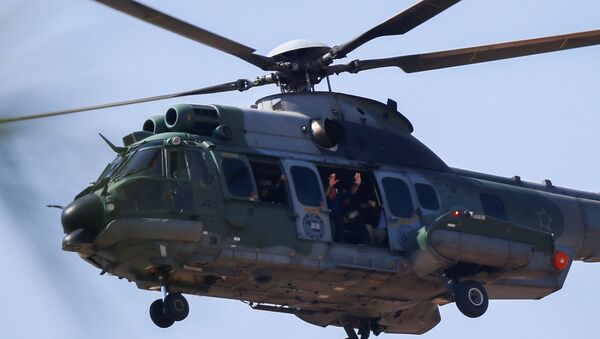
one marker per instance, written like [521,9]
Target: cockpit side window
[187,164]
[197,164]
[146,162]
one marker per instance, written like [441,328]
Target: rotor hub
[299,50]
[300,62]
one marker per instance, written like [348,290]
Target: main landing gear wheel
[176,306]
[471,298]
[171,308]
[159,316]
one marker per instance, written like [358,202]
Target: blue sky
[536,117]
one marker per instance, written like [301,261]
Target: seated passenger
[267,191]
[375,223]
[354,229]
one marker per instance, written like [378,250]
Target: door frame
[312,222]
[399,227]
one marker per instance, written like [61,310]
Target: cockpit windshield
[110,168]
[146,161]
[181,163]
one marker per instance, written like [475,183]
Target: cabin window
[270,182]
[427,197]
[237,177]
[492,206]
[398,197]
[187,164]
[308,189]
[144,162]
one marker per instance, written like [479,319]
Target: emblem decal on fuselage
[314,227]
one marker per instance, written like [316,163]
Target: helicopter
[340,167]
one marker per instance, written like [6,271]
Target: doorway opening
[355,206]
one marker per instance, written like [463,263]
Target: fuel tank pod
[467,237]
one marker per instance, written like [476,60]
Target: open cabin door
[308,200]
[399,205]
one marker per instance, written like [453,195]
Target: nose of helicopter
[82,220]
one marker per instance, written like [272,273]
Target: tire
[176,306]
[471,298]
[158,315]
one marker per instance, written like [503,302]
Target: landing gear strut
[470,297]
[171,308]
[364,330]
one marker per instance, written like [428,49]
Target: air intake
[193,119]
[155,124]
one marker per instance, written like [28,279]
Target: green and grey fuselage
[184,195]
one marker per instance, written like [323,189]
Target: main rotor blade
[396,25]
[190,31]
[473,55]
[238,85]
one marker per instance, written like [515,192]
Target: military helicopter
[169,223]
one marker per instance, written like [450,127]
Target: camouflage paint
[235,247]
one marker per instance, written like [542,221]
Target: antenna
[119,150]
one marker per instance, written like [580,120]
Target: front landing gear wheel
[158,314]
[471,298]
[176,307]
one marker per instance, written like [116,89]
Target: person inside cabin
[336,214]
[344,211]
[267,191]
[373,217]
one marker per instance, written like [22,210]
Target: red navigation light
[560,260]
[456,213]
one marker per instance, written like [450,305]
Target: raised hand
[332,180]
[357,179]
